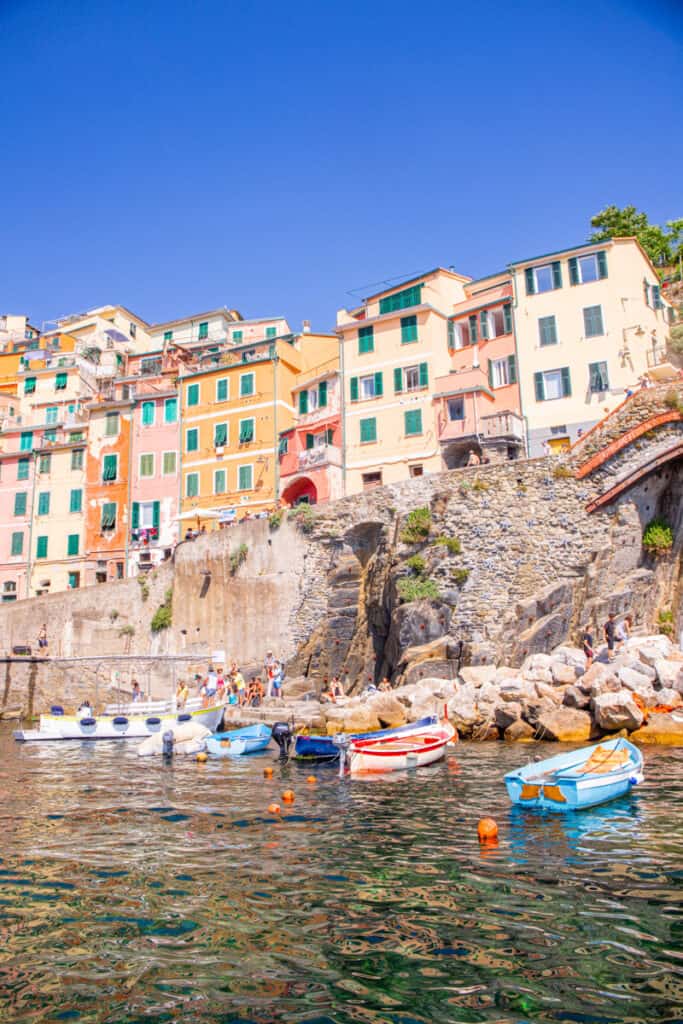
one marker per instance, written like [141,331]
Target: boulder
[536,661]
[628,660]
[489,693]
[669,698]
[576,698]
[563,674]
[552,693]
[463,713]
[478,675]
[507,713]
[669,673]
[532,710]
[519,732]
[636,682]
[663,729]
[440,688]
[614,711]
[515,688]
[390,712]
[572,656]
[538,675]
[504,672]
[650,649]
[415,625]
[567,725]
[595,674]
[354,718]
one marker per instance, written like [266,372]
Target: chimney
[306,329]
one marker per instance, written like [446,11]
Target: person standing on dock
[587,641]
[610,635]
[42,639]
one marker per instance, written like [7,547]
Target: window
[41,547]
[366,387]
[368,430]
[29,385]
[192,485]
[168,465]
[322,394]
[220,435]
[371,480]
[583,269]
[192,440]
[76,500]
[74,580]
[50,435]
[237,337]
[26,441]
[76,436]
[132,329]
[219,485]
[51,413]
[502,372]
[148,413]
[552,384]
[168,335]
[401,300]
[72,544]
[657,297]
[408,329]
[283,446]
[245,478]
[222,389]
[108,519]
[366,340]
[416,470]
[303,403]
[44,503]
[111,424]
[246,385]
[77,458]
[60,381]
[598,377]
[507,318]
[246,431]
[271,332]
[170,410]
[456,409]
[20,499]
[44,463]
[544,278]
[22,469]
[411,378]
[109,467]
[547,330]
[204,330]
[147,464]
[592,321]
[413,422]
[17,543]
[192,394]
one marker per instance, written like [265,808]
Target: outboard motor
[282,734]
[167,741]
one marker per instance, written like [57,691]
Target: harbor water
[134,891]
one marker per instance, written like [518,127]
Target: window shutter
[60,381]
[17,543]
[303,403]
[354,389]
[424,375]
[507,318]
[322,394]
[512,370]
[41,549]
[656,297]
[451,336]
[484,324]
[539,388]
[156,508]
[566,382]
[398,379]
[530,283]
[368,430]
[602,264]
[310,441]
[72,544]
[646,292]
[473,330]
[220,434]
[573,270]
[557,274]
[135,516]
[379,386]
[329,435]
[490,370]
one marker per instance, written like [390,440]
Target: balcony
[322,455]
[660,368]
[499,426]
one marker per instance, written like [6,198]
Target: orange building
[107,490]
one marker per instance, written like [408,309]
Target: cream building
[392,348]
[589,323]
[57,533]
[216,329]
[107,327]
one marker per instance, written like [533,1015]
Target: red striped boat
[394,753]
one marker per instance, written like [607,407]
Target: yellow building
[232,415]
[57,529]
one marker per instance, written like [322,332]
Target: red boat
[394,753]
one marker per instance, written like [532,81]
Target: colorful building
[107,327]
[108,484]
[58,550]
[17,488]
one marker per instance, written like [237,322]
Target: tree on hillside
[663,245]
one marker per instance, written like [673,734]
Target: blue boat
[238,741]
[582,778]
[323,748]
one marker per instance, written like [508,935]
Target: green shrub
[275,520]
[658,537]
[304,517]
[144,587]
[417,564]
[665,622]
[452,543]
[238,557]
[562,472]
[676,339]
[461,575]
[417,526]
[113,615]
[464,488]
[163,616]
[416,589]
[127,630]
[672,400]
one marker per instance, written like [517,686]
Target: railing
[656,356]
[503,424]
[496,425]
[324,454]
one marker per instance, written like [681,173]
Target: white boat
[393,753]
[137,723]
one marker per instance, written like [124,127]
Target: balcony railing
[495,426]
[656,356]
[323,455]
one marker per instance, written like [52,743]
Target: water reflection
[133,892]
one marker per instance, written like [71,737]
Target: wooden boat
[582,778]
[238,741]
[393,753]
[324,748]
[135,725]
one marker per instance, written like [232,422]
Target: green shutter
[17,543]
[379,385]
[168,335]
[76,500]
[401,300]
[26,441]
[135,516]
[192,485]
[354,389]
[310,441]
[219,481]
[193,394]
[147,414]
[557,274]
[60,381]
[245,480]
[573,270]
[222,390]
[77,458]
[246,431]
[20,503]
[507,318]
[44,503]
[484,324]
[368,430]
[329,435]
[156,510]
[530,283]
[220,434]
[246,385]
[473,330]
[512,370]
[398,379]
[408,329]
[170,410]
[566,382]
[72,544]
[322,394]
[41,547]
[204,330]
[413,422]
[490,369]
[657,297]
[424,375]
[451,336]
[109,467]
[29,385]
[22,469]
[366,340]
[602,264]
[108,520]
[538,387]
[303,403]
[192,440]
[598,377]
[283,446]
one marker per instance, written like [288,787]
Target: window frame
[77,456]
[42,546]
[71,537]
[587,320]
[226,381]
[412,412]
[146,455]
[242,422]
[224,472]
[51,415]
[109,456]
[543,323]
[221,444]
[145,405]
[362,423]
[250,467]
[243,377]
[23,468]
[109,418]
[43,503]
[174,471]
[172,402]
[192,394]
[461,403]
[366,339]
[107,505]
[195,477]
[18,495]
[408,329]
[195,432]
[79,492]
[13,544]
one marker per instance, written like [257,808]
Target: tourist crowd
[232,688]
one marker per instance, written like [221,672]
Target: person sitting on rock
[587,641]
[336,689]
[385,685]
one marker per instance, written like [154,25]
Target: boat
[582,778]
[394,753]
[238,741]
[323,748]
[133,725]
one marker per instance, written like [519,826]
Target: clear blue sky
[176,156]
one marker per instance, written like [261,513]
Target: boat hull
[397,753]
[106,727]
[323,748]
[562,784]
[238,741]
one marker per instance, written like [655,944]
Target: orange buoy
[268,773]
[201,757]
[487,830]
[273,808]
[311,778]
[288,796]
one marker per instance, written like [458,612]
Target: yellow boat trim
[529,792]
[554,793]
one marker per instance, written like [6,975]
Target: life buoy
[88,721]
[184,718]
[120,720]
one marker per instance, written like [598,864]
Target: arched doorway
[301,492]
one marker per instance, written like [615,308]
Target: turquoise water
[134,892]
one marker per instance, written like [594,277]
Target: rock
[504,672]
[669,673]
[669,698]
[440,688]
[416,624]
[507,713]
[594,674]
[613,711]
[651,648]
[463,713]
[354,718]
[513,689]
[608,684]
[535,661]
[519,732]
[663,729]
[576,698]
[567,725]
[552,693]
[627,660]
[572,656]
[635,681]
[490,733]
[562,674]
[431,668]
[532,710]
[489,693]
[478,674]
[538,675]
[390,712]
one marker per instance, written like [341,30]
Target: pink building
[310,452]
[17,492]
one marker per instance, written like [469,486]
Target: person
[385,685]
[211,686]
[220,684]
[610,635]
[268,662]
[256,693]
[547,450]
[211,676]
[472,458]
[188,534]
[277,680]
[181,693]
[137,692]
[623,631]
[336,689]
[232,695]
[241,687]
[587,640]
[85,710]
[42,638]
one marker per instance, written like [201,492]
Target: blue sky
[178,156]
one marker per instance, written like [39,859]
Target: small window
[544,278]
[204,330]
[110,468]
[416,470]
[41,547]
[368,430]
[192,485]
[111,424]
[108,520]
[169,464]
[371,480]
[547,330]
[44,503]
[22,469]
[50,435]
[456,409]
[598,377]
[552,384]
[77,458]
[20,501]
[246,431]
[147,464]
[17,543]
[245,478]
[219,481]
[76,500]
[408,329]
[132,329]
[72,544]
[26,441]
[44,463]
[246,385]
[74,580]
[61,381]
[148,413]
[171,410]
[77,435]
[271,332]
[9,587]
[366,340]
[237,337]
[220,435]
[592,322]
[192,394]
[413,422]
[192,440]
[401,300]
[29,385]
[222,389]
[370,386]
[168,335]
[51,414]
[283,446]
